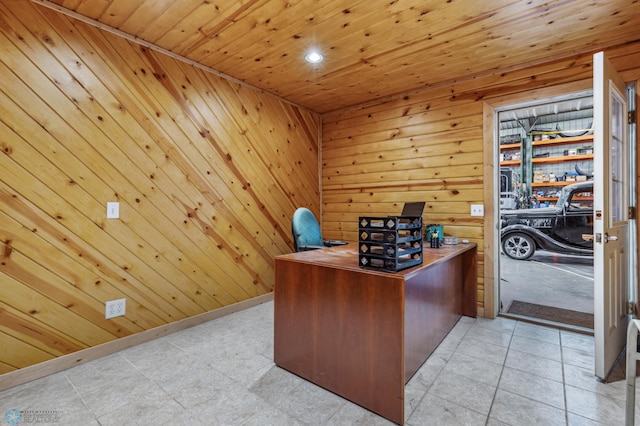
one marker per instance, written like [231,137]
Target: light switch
[113,210]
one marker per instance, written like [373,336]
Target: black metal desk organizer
[390,243]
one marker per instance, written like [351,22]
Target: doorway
[545,253]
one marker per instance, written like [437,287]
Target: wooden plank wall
[428,146]
[207,173]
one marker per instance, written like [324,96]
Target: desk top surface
[347,256]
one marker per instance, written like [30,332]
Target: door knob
[608,237]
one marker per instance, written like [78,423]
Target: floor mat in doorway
[549,313]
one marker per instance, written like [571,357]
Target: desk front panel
[343,330]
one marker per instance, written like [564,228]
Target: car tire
[518,246]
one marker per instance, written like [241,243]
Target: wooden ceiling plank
[118,12]
[364,27]
[495,56]
[93,9]
[375,49]
[182,26]
[285,34]
[198,24]
[394,55]
[358,22]
[209,32]
[143,16]
[558,34]
[223,41]
[69,4]
[395,61]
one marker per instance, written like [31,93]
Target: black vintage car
[559,228]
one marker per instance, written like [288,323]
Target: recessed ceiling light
[313,57]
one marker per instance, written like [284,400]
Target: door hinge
[632,212]
[631,308]
[631,117]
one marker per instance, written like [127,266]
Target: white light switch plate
[113,210]
[477,210]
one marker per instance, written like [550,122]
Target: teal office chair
[306,232]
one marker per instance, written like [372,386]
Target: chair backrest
[305,228]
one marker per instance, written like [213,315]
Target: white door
[610,214]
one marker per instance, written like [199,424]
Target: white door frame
[497,111]
[491,276]
[492,203]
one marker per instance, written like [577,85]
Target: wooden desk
[361,333]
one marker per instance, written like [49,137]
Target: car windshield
[576,198]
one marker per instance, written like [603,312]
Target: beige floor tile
[533,387]
[534,364]
[537,332]
[536,347]
[482,350]
[437,411]
[578,358]
[578,341]
[474,368]
[602,408]
[488,335]
[463,391]
[513,409]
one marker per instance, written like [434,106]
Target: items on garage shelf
[509,139]
[508,188]
[541,144]
[544,159]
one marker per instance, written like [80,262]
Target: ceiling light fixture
[313,57]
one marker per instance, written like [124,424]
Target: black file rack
[390,243]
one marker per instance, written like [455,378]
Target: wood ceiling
[372,48]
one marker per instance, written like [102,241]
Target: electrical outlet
[477,210]
[115,308]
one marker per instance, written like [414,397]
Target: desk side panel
[435,299]
[342,329]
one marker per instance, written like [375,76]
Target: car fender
[543,241]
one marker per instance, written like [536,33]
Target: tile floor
[486,372]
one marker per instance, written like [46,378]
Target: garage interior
[562,291]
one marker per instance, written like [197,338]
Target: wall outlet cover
[115,308]
[477,210]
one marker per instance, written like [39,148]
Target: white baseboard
[33,372]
